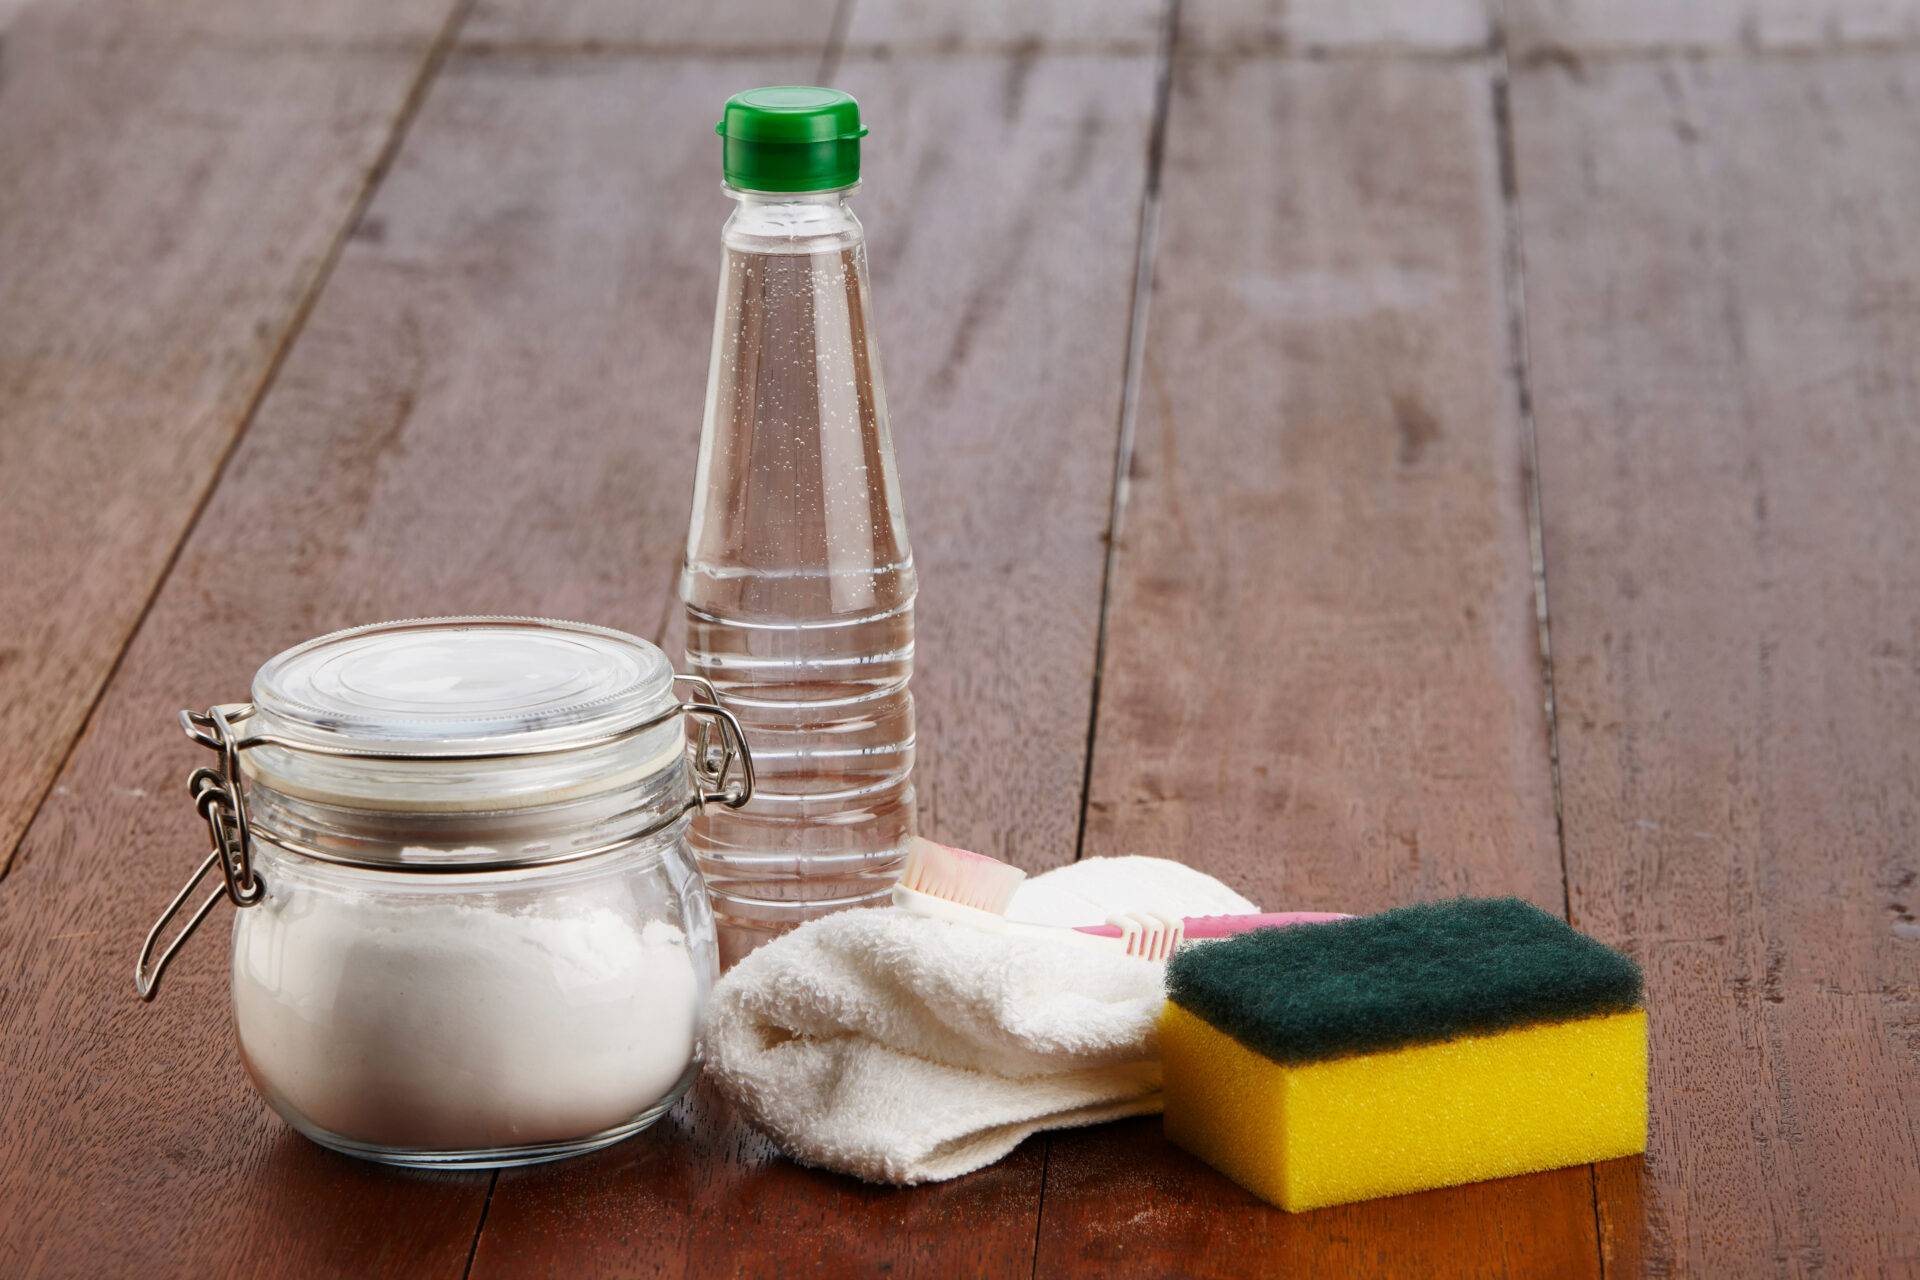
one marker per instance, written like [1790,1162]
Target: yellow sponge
[1436,1115]
[1423,1048]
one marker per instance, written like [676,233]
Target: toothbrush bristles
[970,879]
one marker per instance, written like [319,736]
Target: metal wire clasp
[714,760]
[218,797]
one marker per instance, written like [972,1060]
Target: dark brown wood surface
[1678,247]
[1604,28]
[173,183]
[1724,289]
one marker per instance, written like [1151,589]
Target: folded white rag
[901,1049]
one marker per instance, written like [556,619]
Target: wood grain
[1021,28]
[704,1195]
[655,28]
[1002,244]
[1334,26]
[1121,1200]
[1724,289]
[1557,28]
[1322,681]
[171,187]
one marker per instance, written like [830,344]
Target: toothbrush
[974,889]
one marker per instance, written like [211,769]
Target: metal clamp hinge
[721,764]
[218,797]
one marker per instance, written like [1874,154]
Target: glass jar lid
[428,686]
[450,716]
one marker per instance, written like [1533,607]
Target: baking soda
[435,1022]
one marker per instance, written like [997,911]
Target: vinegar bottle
[798,581]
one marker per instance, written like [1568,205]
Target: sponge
[1423,1047]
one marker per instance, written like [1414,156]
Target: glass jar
[470,932]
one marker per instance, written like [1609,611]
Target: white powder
[443,1023]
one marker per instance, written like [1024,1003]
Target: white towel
[900,1049]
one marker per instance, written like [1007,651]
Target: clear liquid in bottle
[799,583]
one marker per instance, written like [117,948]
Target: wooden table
[1371,451]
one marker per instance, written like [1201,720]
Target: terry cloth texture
[901,1049]
[1434,972]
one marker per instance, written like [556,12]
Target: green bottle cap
[790,138]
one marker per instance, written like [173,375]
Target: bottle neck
[792,221]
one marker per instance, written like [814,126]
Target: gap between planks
[1521,367]
[1521,372]
[1131,377]
[1134,372]
[480,1227]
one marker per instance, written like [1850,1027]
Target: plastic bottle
[798,581]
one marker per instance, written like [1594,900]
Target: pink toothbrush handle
[1227,926]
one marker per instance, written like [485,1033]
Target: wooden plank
[493,408]
[172,185]
[1558,27]
[1002,247]
[1724,292]
[1022,28]
[704,1195]
[795,28]
[1121,1201]
[1334,26]
[1322,679]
